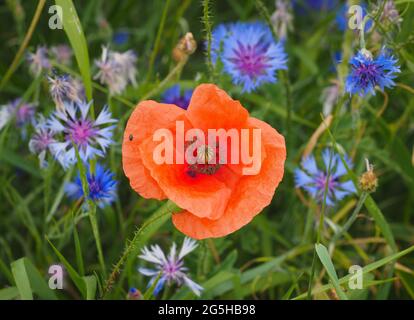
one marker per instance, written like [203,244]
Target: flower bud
[185,47]
[368,181]
[134,294]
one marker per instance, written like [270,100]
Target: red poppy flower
[217,199]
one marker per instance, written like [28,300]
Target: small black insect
[131,137]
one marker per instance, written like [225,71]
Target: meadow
[85,213]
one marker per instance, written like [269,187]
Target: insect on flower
[170,268]
[91,137]
[317,181]
[368,72]
[249,53]
[173,95]
[101,185]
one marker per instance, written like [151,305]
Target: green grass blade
[323,255]
[74,32]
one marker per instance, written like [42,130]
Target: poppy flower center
[206,160]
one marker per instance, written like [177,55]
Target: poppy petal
[147,117]
[249,197]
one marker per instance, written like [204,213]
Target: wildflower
[390,14]
[282,18]
[38,61]
[134,294]
[368,72]
[249,54]
[64,89]
[216,200]
[41,141]
[171,268]
[62,53]
[91,137]
[173,95]
[368,181]
[316,181]
[101,185]
[185,47]
[116,69]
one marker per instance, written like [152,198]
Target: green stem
[24,44]
[351,219]
[157,40]
[167,209]
[207,28]
[96,235]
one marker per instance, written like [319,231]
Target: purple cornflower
[41,141]
[101,185]
[116,69]
[316,181]
[38,61]
[173,95]
[249,53]
[171,268]
[367,72]
[62,53]
[91,137]
[64,89]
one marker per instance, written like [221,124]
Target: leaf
[73,274]
[74,32]
[28,281]
[323,255]
[91,285]
[371,267]
[9,293]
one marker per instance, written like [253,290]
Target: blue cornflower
[171,267]
[342,17]
[101,184]
[173,95]
[249,53]
[315,181]
[367,72]
[91,137]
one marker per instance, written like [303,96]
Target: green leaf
[371,267]
[28,281]
[91,285]
[323,255]
[74,32]
[9,293]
